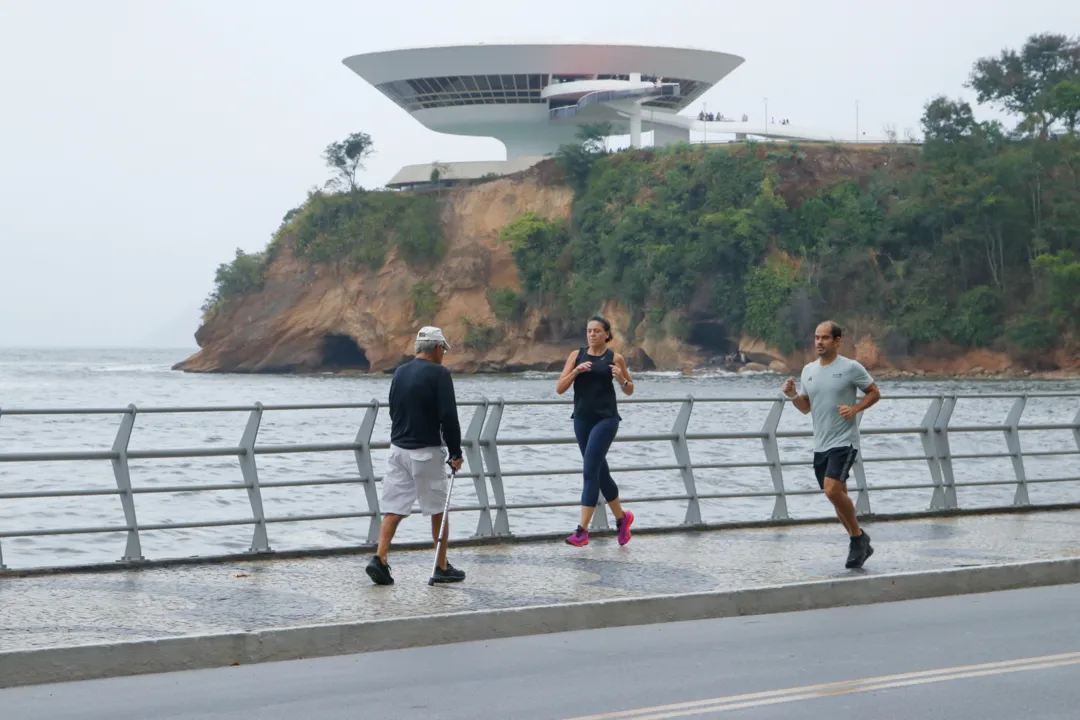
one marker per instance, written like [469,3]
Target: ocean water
[116,378]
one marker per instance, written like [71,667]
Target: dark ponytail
[607,325]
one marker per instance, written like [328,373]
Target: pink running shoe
[579,538]
[624,527]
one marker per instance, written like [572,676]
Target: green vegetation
[768,291]
[508,306]
[1055,306]
[480,337]
[245,274]
[972,239]
[346,224]
[360,227]
[578,160]
[425,301]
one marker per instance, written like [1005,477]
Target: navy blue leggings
[594,438]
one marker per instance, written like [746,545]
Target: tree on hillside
[1023,82]
[593,136]
[1065,103]
[439,171]
[947,120]
[577,160]
[347,157]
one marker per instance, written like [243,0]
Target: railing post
[682,457]
[259,540]
[1012,440]
[489,449]
[367,470]
[772,455]
[133,551]
[2,565]
[937,500]
[862,501]
[599,519]
[470,445]
[944,454]
[1076,429]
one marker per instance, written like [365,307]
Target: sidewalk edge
[87,662]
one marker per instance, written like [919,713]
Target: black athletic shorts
[834,463]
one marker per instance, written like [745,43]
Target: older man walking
[422,403]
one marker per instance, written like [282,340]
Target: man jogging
[421,402]
[828,392]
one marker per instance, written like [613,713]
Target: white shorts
[413,475]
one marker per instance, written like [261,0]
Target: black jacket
[421,401]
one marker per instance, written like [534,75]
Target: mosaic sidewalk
[196,599]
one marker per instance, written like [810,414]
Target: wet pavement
[74,609]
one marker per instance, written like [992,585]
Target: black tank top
[594,391]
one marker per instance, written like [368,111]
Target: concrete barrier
[85,662]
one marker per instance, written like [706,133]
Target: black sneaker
[379,572]
[450,575]
[860,550]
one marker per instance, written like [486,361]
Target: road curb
[87,662]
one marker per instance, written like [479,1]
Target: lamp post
[766,116]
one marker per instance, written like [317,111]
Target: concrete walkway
[77,609]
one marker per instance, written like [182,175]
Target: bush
[419,235]
[245,274]
[1059,287]
[425,302]
[539,247]
[508,306]
[359,227]
[1033,332]
[977,319]
[481,337]
[768,293]
[1055,307]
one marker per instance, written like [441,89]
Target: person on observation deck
[828,394]
[593,371]
[423,413]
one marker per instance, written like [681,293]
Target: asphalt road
[1003,655]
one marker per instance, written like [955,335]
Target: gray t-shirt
[827,387]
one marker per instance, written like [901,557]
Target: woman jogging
[592,371]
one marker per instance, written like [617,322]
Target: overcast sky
[142,142]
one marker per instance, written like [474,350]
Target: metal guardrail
[481,444]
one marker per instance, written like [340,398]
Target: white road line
[806,692]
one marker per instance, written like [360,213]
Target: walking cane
[442,525]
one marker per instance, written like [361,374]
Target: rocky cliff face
[311,318]
[317,318]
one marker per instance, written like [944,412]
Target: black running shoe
[860,550]
[379,572]
[450,575]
